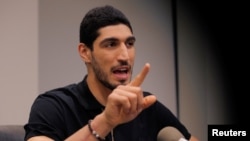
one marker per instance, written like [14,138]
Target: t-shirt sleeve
[45,119]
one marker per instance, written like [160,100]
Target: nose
[123,53]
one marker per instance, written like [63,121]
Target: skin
[122,98]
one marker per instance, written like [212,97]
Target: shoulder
[62,93]
[56,97]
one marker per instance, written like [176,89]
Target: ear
[84,52]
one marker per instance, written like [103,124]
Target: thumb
[148,101]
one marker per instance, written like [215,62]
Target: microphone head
[170,133]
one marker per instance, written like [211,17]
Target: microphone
[170,133]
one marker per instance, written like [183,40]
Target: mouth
[121,73]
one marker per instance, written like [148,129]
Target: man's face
[113,55]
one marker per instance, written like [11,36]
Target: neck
[99,91]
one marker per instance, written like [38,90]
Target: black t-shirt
[61,112]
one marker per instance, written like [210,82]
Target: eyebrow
[115,39]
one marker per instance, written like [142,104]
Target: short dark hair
[97,18]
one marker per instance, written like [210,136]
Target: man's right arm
[98,124]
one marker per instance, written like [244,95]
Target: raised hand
[127,101]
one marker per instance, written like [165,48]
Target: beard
[102,76]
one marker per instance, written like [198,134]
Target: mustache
[122,64]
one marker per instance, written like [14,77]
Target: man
[107,104]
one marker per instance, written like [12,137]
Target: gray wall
[18,59]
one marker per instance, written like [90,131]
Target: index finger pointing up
[137,81]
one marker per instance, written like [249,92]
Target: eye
[110,44]
[130,43]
